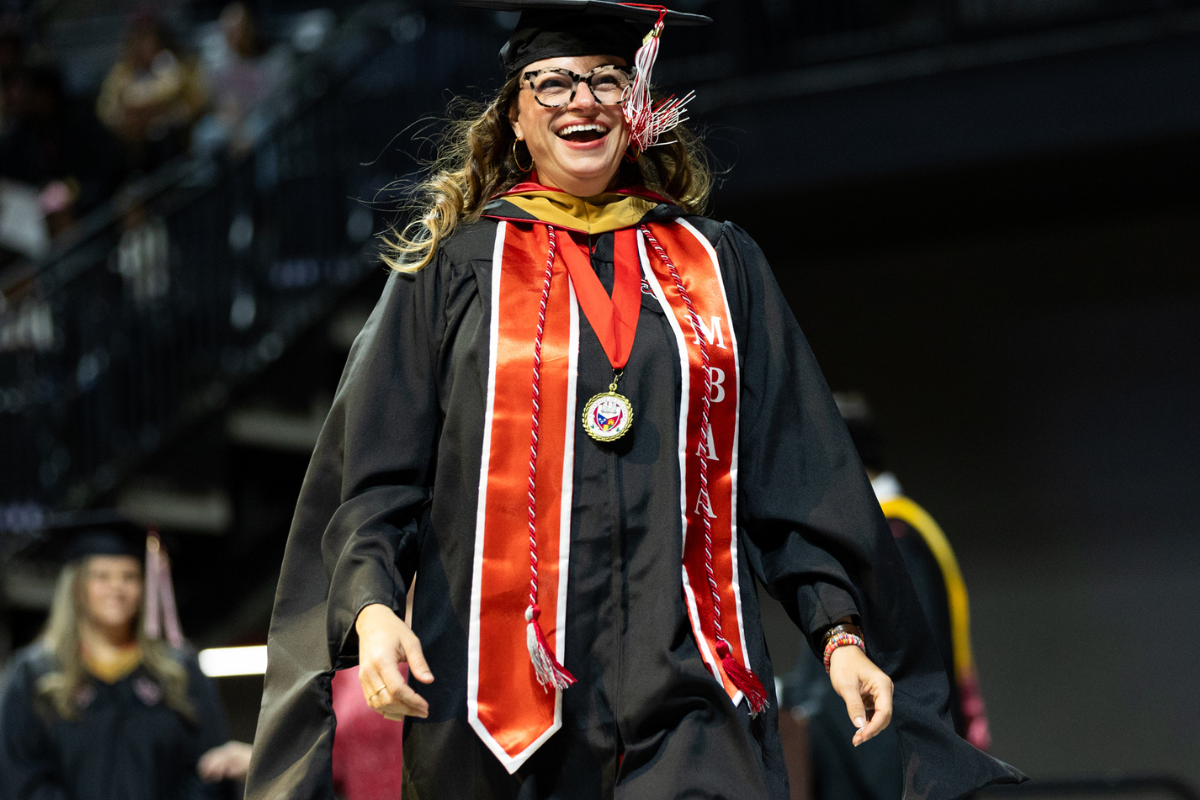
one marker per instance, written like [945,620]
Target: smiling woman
[577,144]
[486,149]
[583,414]
[100,707]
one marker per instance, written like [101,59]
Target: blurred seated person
[245,73]
[153,95]
[55,147]
[99,708]
[872,770]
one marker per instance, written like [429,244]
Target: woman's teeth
[584,132]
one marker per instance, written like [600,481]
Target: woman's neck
[103,641]
[575,187]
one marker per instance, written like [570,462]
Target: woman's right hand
[384,640]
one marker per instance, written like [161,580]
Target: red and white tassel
[160,614]
[743,679]
[647,120]
[151,616]
[549,672]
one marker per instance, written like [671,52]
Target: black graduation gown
[392,490]
[126,745]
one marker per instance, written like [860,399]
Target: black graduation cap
[864,431]
[556,28]
[70,537]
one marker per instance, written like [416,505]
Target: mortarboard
[72,536]
[555,28]
[864,431]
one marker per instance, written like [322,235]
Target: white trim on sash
[568,489]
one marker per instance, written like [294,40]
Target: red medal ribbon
[614,319]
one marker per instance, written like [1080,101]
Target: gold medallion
[608,416]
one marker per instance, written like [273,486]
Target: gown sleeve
[815,536]
[27,764]
[353,537]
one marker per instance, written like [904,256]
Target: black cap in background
[71,537]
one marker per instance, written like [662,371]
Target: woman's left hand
[866,689]
[230,761]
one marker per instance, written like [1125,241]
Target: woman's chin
[587,175]
[114,620]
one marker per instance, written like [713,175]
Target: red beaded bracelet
[841,640]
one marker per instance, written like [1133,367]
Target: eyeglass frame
[630,72]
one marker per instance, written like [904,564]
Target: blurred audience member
[100,708]
[244,73]
[153,95]
[872,771]
[55,147]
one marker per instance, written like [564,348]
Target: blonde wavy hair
[61,640]
[474,162]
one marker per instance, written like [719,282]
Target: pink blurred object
[57,196]
[368,750]
[974,712]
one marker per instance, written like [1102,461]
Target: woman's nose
[583,99]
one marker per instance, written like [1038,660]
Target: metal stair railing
[173,295]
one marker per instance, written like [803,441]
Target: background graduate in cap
[584,415]
[838,770]
[102,706]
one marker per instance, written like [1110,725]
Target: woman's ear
[514,119]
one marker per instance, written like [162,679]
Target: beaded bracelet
[841,640]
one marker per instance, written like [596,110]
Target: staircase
[176,358]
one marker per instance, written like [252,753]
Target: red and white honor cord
[742,678]
[549,672]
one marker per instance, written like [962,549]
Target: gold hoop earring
[517,161]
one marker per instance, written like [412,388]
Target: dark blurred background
[985,214]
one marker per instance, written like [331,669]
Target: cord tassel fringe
[743,679]
[549,672]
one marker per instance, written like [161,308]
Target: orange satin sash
[697,263]
[506,705]
[511,712]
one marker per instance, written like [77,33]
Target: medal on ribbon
[609,415]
